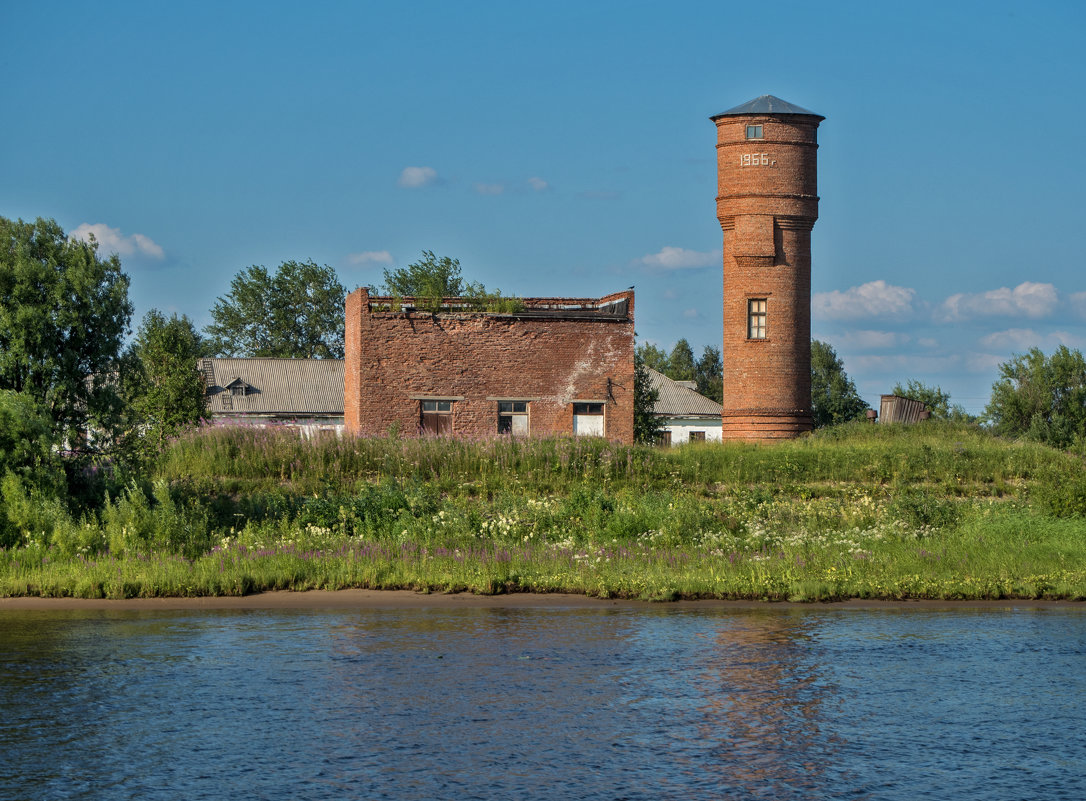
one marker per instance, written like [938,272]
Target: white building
[684,415]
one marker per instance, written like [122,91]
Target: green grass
[930,511]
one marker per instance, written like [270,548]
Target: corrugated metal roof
[766,104]
[274,386]
[675,400]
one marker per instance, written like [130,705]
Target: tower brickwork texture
[767,204]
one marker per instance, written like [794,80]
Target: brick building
[767,204]
[558,366]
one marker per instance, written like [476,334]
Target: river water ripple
[628,703]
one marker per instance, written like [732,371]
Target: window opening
[754,132]
[697,436]
[436,417]
[756,318]
[588,419]
[513,418]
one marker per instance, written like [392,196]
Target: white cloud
[1022,339]
[111,240]
[370,257]
[691,314]
[873,299]
[673,258]
[414,177]
[489,189]
[928,342]
[869,340]
[538,184]
[1028,299]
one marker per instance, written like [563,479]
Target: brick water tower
[767,204]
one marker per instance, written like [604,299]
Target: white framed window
[754,132]
[756,318]
[513,418]
[588,419]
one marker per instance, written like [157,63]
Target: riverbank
[406,599]
[938,512]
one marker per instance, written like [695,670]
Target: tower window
[756,317]
[754,132]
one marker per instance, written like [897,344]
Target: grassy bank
[932,511]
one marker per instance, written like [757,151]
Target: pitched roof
[274,386]
[675,400]
[766,104]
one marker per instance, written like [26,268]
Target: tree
[428,277]
[165,390]
[646,423]
[28,462]
[833,395]
[654,357]
[64,313]
[709,373]
[933,397]
[680,362]
[1041,398]
[297,313]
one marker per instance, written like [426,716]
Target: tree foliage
[833,394]
[1041,398]
[680,362]
[430,276]
[64,313]
[295,313]
[679,365]
[935,399]
[709,373]
[164,389]
[646,423]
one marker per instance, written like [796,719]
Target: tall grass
[937,510]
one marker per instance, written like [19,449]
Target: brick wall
[767,205]
[548,356]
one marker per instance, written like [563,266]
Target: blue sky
[565,149]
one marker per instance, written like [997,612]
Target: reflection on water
[648,703]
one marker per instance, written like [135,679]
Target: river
[630,702]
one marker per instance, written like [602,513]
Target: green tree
[833,395]
[297,313]
[30,469]
[680,362]
[933,397]
[430,276]
[646,423]
[1041,398]
[163,386]
[64,313]
[709,373]
[653,357]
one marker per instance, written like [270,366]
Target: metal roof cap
[766,104]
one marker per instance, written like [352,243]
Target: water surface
[626,703]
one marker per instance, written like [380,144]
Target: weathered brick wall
[767,205]
[395,358]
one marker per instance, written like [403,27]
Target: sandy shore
[404,599]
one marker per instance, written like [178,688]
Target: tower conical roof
[766,104]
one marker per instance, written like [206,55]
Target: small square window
[754,132]
[697,436]
[513,418]
[756,318]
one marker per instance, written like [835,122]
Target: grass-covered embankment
[931,511]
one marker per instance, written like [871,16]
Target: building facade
[306,394]
[682,413]
[767,204]
[556,366]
